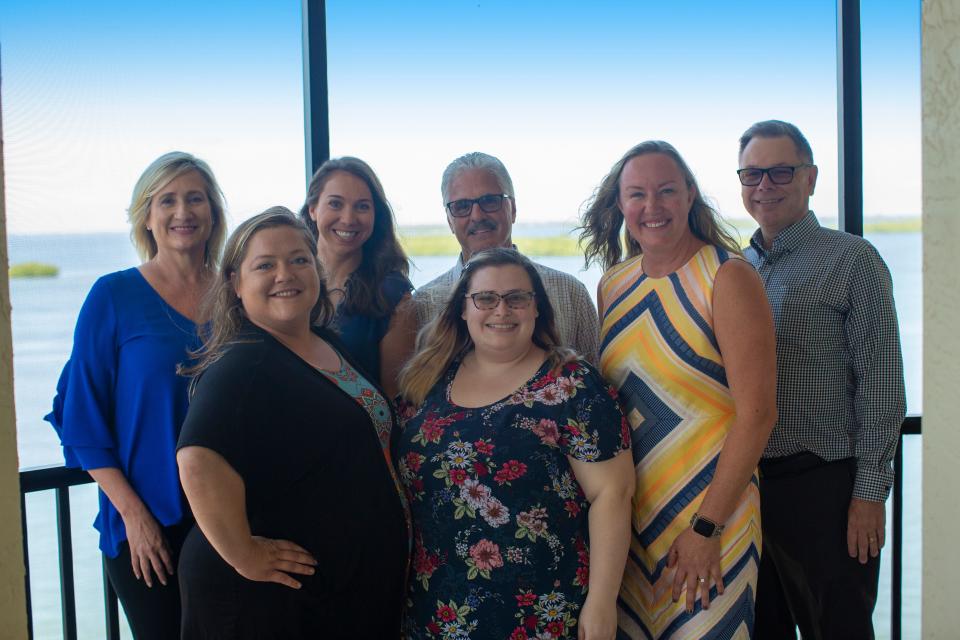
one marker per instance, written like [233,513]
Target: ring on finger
[701,580]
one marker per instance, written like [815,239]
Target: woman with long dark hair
[365,266]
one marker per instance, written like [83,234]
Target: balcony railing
[60,479]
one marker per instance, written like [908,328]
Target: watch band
[705,527]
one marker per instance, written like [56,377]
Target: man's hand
[866,528]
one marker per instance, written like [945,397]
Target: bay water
[44,315]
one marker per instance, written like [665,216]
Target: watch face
[704,527]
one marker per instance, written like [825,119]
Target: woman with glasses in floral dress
[510,454]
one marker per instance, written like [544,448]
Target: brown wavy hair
[446,338]
[382,253]
[222,311]
[601,220]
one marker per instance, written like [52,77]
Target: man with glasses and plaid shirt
[481,209]
[826,471]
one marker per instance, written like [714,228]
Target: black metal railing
[911,427]
[60,479]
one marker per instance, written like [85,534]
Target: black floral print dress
[501,548]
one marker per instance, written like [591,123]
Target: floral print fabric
[500,523]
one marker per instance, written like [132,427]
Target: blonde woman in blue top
[120,402]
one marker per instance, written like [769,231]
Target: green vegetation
[894,225]
[430,245]
[446,245]
[438,241]
[33,270]
[549,246]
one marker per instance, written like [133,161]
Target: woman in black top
[284,459]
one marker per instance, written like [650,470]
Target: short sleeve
[595,428]
[219,414]
[83,407]
[395,285]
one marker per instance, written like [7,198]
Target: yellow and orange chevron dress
[658,349]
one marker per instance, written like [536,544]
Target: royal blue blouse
[120,402]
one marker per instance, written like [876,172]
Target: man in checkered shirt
[826,471]
[481,209]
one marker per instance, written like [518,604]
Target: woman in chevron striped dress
[687,339]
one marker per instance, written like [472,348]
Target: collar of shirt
[787,240]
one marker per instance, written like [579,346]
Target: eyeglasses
[486,300]
[489,203]
[753,176]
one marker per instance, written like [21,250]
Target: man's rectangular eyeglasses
[753,176]
[486,300]
[489,203]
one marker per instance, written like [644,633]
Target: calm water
[44,314]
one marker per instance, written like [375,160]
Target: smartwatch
[705,527]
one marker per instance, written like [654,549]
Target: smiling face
[277,281]
[344,214]
[180,216]
[502,330]
[655,201]
[480,230]
[776,206]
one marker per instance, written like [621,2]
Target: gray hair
[778,129]
[476,160]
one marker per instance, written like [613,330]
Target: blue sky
[93,92]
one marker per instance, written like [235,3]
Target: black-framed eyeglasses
[489,203]
[486,300]
[752,176]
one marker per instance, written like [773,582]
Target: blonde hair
[602,219]
[223,310]
[446,338]
[161,171]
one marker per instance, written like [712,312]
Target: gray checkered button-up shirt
[576,317]
[840,389]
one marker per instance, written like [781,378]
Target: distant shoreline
[436,240]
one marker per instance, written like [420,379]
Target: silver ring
[701,580]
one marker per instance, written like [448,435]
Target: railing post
[65,546]
[896,577]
